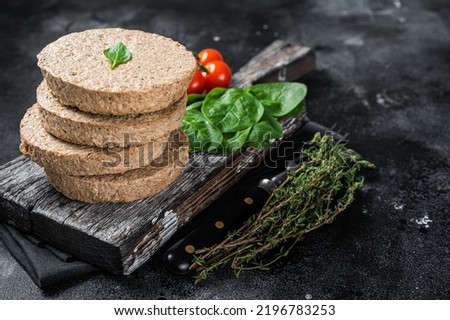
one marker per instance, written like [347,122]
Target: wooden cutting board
[121,237]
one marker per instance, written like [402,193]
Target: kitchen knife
[180,256]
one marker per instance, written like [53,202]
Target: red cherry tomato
[217,74]
[197,84]
[208,55]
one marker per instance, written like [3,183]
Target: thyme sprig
[312,196]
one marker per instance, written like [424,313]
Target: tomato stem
[202,68]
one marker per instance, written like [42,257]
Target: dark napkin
[45,264]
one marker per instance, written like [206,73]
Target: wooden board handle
[280,61]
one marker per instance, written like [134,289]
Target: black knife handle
[180,256]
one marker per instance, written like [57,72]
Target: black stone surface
[384,74]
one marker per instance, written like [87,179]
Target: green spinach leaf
[279,98]
[202,134]
[195,97]
[195,106]
[266,129]
[232,110]
[234,141]
[297,110]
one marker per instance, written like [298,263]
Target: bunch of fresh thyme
[313,195]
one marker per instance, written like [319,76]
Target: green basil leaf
[232,110]
[279,98]
[234,141]
[266,129]
[195,97]
[202,134]
[117,54]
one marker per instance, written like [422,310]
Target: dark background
[383,76]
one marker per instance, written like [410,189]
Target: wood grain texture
[121,237]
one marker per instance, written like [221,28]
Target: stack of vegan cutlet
[108,134]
